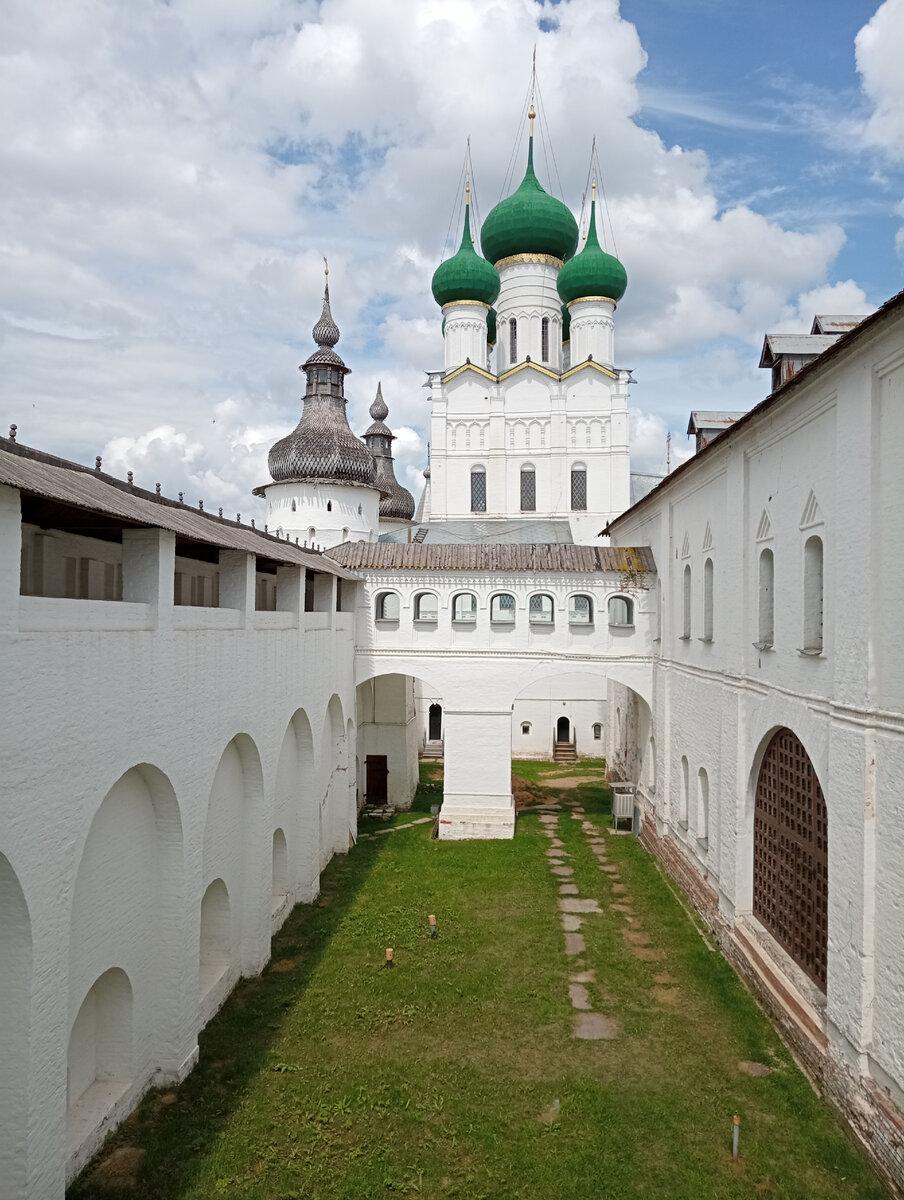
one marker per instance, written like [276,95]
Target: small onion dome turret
[491,327]
[397,502]
[322,448]
[467,275]
[530,221]
[593,272]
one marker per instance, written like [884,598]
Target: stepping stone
[574,943]
[549,819]
[422,821]
[576,817]
[619,888]
[622,908]
[594,1027]
[563,871]
[610,870]
[580,997]
[557,842]
[571,923]
[575,905]
[646,953]
[568,889]
[583,977]
[636,937]
[557,852]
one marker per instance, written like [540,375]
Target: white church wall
[323,514]
[818,464]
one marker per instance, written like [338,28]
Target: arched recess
[297,808]
[101,1063]
[235,852]
[215,952]
[15,1046]
[280,892]
[334,747]
[561,708]
[790,853]
[397,716]
[127,927]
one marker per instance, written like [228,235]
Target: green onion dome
[593,272]
[467,275]
[566,324]
[491,327]
[530,221]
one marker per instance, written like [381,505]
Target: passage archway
[790,854]
[563,731]
[395,718]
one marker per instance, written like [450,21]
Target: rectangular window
[525,729]
[513,342]
[478,491]
[544,340]
[579,490]
[528,491]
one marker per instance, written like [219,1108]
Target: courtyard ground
[536,1048]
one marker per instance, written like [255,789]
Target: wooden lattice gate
[790,854]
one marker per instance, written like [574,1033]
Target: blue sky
[174,174]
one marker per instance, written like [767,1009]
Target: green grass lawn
[456,1073]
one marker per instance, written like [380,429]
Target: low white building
[768,766]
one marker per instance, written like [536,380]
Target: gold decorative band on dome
[546,259]
[588,299]
[469,303]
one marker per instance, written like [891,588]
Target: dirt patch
[754,1068]
[550,1114]
[664,977]
[284,964]
[566,783]
[167,1099]
[623,908]
[619,889]
[120,1169]
[636,937]
[527,795]
[667,996]
[646,953]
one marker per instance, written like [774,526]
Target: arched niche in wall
[297,807]
[15,1045]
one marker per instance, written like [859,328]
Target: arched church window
[579,487]
[528,489]
[813,595]
[544,340]
[329,506]
[312,533]
[686,604]
[387,606]
[597,732]
[426,606]
[478,489]
[464,607]
[621,610]
[708,600]
[580,610]
[766,601]
[502,608]
[293,506]
[513,342]
[540,610]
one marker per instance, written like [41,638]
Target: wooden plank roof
[437,556]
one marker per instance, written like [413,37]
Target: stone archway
[790,854]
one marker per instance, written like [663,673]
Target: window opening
[540,610]
[621,610]
[528,490]
[464,607]
[502,608]
[578,489]
[682,795]
[686,604]
[708,600]
[513,342]
[597,732]
[766,605]
[580,610]
[426,607]
[525,728]
[813,595]
[388,606]
[478,491]
[702,805]
[544,339]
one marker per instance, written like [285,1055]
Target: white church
[195,710]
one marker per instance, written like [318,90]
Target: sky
[175,170]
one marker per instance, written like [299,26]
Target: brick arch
[790,854]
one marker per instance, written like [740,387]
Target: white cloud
[174,173]
[880,50]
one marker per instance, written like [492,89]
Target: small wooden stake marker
[389,962]
[432,920]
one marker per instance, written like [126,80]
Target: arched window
[312,533]
[293,506]
[528,489]
[790,854]
[525,728]
[345,534]
[813,594]
[426,606]
[513,342]
[540,610]
[682,795]
[580,610]
[702,805]
[544,340]
[708,600]
[578,487]
[464,607]
[766,601]
[686,604]
[621,610]
[597,732]
[387,606]
[502,608]
[651,764]
[478,489]
[329,506]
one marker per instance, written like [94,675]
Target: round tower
[590,285]
[324,488]
[465,287]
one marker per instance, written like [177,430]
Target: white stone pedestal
[477,777]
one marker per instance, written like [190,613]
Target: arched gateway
[790,854]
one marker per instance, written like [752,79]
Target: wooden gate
[790,854]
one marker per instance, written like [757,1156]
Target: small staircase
[564,752]
[432,749]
